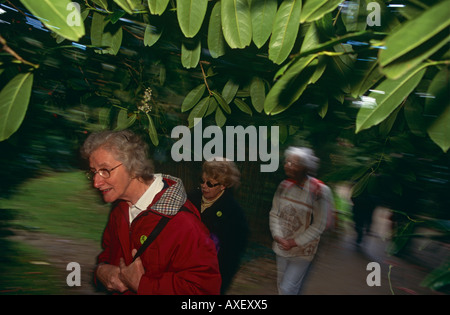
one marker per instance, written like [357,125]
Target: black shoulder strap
[152,236]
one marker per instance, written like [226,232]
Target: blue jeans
[291,274]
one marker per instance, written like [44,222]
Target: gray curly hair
[126,147]
[306,157]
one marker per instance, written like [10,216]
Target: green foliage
[15,97]
[56,14]
[292,34]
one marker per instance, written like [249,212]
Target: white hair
[306,158]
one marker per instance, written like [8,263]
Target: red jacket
[181,260]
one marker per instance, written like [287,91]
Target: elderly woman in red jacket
[182,259]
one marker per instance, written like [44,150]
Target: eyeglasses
[103,172]
[208,183]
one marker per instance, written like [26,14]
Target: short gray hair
[306,156]
[126,147]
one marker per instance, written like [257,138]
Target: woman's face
[210,192]
[117,186]
[293,168]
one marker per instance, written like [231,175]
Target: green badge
[219,213]
[143,238]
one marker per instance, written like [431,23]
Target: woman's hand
[109,276]
[284,243]
[131,275]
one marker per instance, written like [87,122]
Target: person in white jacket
[298,218]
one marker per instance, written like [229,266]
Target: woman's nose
[98,180]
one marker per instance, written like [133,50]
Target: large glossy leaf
[229,90]
[243,106]
[290,86]
[102,3]
[372,76]
[318,13]
[216,42]
[130,6]
[199,110]
[257,93]
[354,15]
[105,35]
[309,6]
[153,134]
[414,57]
[14,97]
[263,14]
[152,34]
[222,102]
[190,14]
[284,31]
[193,97]
[236,23]
[190,54]
[413,34]
[124,121]
[60,16]
[439,131]
[157,7]
[220,117]
[388,95]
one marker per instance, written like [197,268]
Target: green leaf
[157,7]
[263,14]
[152,35]
[284,31]
[102,3]
[105,34]
[412,58]
[220,117]
[130,5]
[61,16]
[193,97]
[222,102]
[413,112]
[388,96]
[257,93]
[439,131]
[153,134]
[198,111]
[312,38]
[190,54]
[123,121]
[229,90]
[415,33]
[290,87]
[354,16]
[372,76]
[236,23]
[216,42]
[243,106]
[15,97]
[309,7]
[438,92]
[190,14]
[212,106]
[326,8]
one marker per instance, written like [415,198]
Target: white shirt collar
[147,198]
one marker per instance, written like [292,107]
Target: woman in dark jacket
[222,215]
